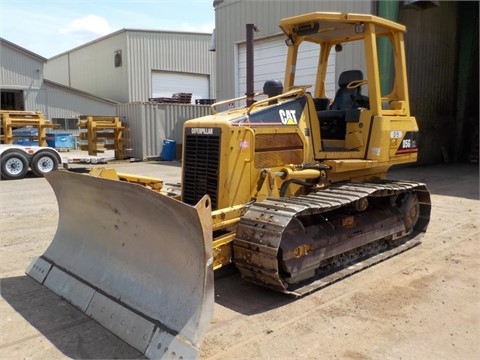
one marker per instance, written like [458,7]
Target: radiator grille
[201,167]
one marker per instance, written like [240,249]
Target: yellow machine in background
[100,133]
[15,119]
[291,189]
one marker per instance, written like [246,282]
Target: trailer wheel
[43,163]
[14,165]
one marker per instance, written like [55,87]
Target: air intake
[201,165]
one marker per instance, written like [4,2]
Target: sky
[51,27]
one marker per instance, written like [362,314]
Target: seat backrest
[345,98]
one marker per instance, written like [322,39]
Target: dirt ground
[421,304]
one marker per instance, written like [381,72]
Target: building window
[117,58]
[12,99]
[65,123]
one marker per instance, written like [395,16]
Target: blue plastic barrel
[168,150]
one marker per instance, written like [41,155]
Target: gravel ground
[421,304]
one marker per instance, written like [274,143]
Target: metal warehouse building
[135,65]
[22,87]
[128,66]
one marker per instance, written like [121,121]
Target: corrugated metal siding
[430,42]
[149,124]
[18,70]
[74,132]
[270,58]
[232,15]
[92,69]
[165,51]
[57,70]
[36,100]
[431,59]
[64,104]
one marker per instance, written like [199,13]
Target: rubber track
[260,231]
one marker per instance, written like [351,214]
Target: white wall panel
[269,64]
[166,83]
[19,68]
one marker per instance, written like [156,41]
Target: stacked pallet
[204,101]
[177,98]
[182,98]
[160,100]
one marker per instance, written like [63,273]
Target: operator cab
[346,106]
[341,125]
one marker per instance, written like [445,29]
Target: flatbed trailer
[16,160]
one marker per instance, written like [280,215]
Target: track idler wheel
[410,208]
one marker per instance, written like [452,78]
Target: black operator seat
[333,121]
[346,98]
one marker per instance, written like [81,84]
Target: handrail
[298,91]
[214,105]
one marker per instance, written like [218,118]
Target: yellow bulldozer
[290,187]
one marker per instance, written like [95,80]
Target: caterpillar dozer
[290,187]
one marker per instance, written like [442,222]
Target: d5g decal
[409,143]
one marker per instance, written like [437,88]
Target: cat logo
[288,117]
[201,131]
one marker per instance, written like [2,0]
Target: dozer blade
[137,262]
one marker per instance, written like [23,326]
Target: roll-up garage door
[166,83]
[269,64]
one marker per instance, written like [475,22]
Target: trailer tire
[13,165]
[43,162]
